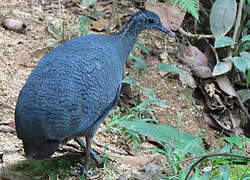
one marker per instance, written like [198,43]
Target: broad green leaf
[190,146]
[142,47]
[139,63]
[246,55]
[222,68]
[245,38]
[168,68]
[223,41]
[240,63]
[222,16]
[164,134]
[226,148]
[244,94]
[130,80]
[148,92]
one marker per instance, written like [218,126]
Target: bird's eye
[151,21]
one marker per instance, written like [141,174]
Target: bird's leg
[89,141]
[92,153]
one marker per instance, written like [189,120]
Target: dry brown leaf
[99,24]
[160,9]
[152,60]
[225,85]
[164,57]
[114,23]
[192,55]
[210,88]
[175,16]
[196,61]
[201,71]
[187,79]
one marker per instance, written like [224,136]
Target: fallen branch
[198,36]
[109,148]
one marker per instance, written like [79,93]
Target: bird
[73,87]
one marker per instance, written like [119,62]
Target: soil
[19,54]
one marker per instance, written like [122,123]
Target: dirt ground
[19,54]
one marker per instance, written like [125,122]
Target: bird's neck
[128,36]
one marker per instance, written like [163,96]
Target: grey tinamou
[74,86]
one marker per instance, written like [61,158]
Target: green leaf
[142,47]
[244,94]
[240,63]
[246,55]
[130,80]
[223,41]
[222,68]
[148,92]
[235,140]
[190,145]
[245,38]
[225,172]
[159,102]
[190,6]
[222,17]
[139,63]
[168,68]
[164,134]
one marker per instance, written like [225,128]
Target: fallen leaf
[99,25]
[160,9]
[187,79]
[130,151]
[210,88]
[152,60]
[225,85]
[201,71]
[175,16]
[192,55]
[164,57]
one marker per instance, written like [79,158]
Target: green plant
[189,5]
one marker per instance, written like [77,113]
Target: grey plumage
[73,87]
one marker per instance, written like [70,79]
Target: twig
[215,53]
[198,36]
[6,129]
[109,148]
[213,155]
[238,19]
[243,106]
[7,105]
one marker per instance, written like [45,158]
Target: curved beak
[163,29]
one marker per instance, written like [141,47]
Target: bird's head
[149,20]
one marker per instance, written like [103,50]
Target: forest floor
[19,54]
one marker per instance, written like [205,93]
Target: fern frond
[190,6]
